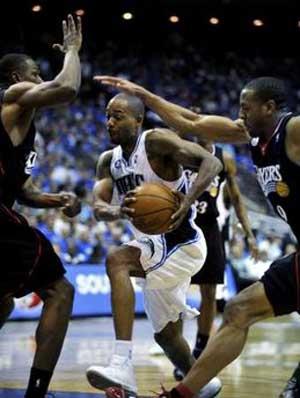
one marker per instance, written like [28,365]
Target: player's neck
[128,147]
[271,128]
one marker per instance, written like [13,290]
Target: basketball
[154,206]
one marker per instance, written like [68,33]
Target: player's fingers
[128,201]
[58,47]
[79,25]
[174,226]
[176,215]
[71,23]
[64,28]
[131,193]
[107,79]
[127,210]
[179,195]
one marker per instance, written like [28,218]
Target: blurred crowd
[71,138]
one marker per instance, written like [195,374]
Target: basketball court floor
[268,359]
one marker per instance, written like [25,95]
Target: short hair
[135,104]
[10,63]
[269,88]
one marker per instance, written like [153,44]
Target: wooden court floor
[272,351]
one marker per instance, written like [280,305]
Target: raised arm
[64,87]
[186,122]
[103,192]
[31,196]
[166,143]
[237,202]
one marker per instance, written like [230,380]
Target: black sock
[201,342]
[38,383]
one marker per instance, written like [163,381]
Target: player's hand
[254,251]
[182,211]
[243,128]
[71,205]
[72,35]
[107,212]
[128,212]
[123,85]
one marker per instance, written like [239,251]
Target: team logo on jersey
[128,182]
[30,162]
[118,163]
[270,180]
[213,191]
[135,159]
[282,189]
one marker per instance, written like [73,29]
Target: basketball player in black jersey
[29,262]
[274,137]
[213,270]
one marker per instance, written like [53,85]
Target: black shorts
[282,284]
[213,269]
[28,261]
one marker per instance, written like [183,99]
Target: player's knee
[65,292]
[161,339]
[236,314]
[111,261]
[114,262]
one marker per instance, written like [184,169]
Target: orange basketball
[154,206]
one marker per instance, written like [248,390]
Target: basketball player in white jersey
[166,262]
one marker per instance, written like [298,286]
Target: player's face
[122,125]
[31,72]
[253,112]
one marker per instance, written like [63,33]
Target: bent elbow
[68,93]
[217,166]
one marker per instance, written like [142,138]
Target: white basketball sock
[124,348]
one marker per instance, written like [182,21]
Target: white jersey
[128,174]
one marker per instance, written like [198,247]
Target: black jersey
[207,203]
[16,162]
[278,177]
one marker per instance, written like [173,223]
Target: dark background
[150,29]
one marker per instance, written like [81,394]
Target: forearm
[106,212]
[159,104]
[186,122]
[70,75]
[173,115]
[208,170]
[40,200]
[243,218]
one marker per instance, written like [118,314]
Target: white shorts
[168,276]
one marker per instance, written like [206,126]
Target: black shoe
[178,374]
[197,352]
[292,389]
